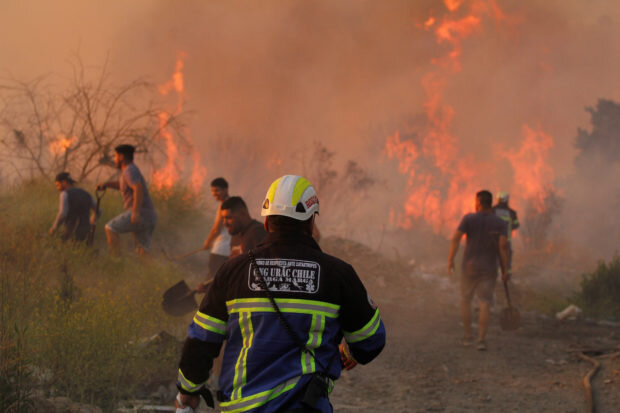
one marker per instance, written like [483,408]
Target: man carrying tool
[218,240]
[502,210]
[73,212]
[486,239]
[140,216]
[246,232]
[283,310]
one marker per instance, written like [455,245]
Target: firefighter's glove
[346,359]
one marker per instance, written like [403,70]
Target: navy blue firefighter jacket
[263,369]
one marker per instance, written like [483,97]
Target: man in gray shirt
[486,247]
[73,211]
[139,217]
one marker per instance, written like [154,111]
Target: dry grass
[81,314]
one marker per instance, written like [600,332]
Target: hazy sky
[279,75]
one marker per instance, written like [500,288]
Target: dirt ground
[424,369]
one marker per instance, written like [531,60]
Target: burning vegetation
[393,178]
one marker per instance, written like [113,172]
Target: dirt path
[422,369]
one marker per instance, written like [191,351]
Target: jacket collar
[290,238]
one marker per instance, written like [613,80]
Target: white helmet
[291,196]
[503,196]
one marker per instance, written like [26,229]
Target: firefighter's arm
[205,336]
[362,326]
[196,362]
[515,220]
[367,342]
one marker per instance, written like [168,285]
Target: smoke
[265,81]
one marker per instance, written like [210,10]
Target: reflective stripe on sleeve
[364,332]
[285,305]
[188,385]
[210,323]
[251,402]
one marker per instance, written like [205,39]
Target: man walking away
[73,212]
[502,210]
[139,217]
[283,309]
[246,232]
[218,240]
[486,239]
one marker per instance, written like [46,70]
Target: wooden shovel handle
[507,294]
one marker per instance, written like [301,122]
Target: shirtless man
[218,240]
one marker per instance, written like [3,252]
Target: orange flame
[61,144]
[442,182]
[453,5]
[532,175]
[170,173]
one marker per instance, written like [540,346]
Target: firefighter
[509,215]
[281,355]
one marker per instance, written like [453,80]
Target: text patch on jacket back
[286,275]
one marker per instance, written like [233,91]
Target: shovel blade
[179,300]
[510,319]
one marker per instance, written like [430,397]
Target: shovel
[509,319]
[179,299]
[99,193]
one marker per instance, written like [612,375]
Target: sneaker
[481,345]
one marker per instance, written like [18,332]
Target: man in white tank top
[218,240]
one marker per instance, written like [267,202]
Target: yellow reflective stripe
[315,337]
[247,333]
[210,323]
[272,190]
[363,333]
[298,190]
[187,384]
[307,361]
[285,305]
[251,402]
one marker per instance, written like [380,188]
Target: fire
[171,172]
[61,145]
[429,22]
[168,175]
[441,180]
[453,5]
[532,174]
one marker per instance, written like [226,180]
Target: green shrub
[600,291]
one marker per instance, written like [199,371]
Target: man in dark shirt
[486,240]
[246,232]
[74,208]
